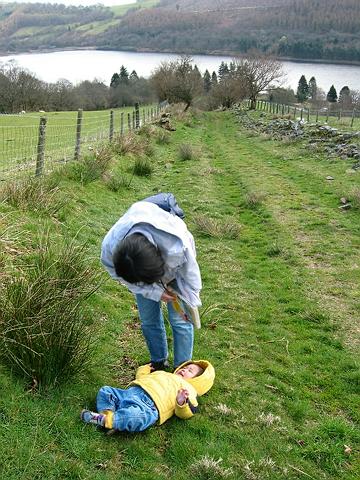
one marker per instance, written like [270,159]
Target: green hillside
[280,269]
[299,29]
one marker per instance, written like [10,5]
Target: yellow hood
[203,382]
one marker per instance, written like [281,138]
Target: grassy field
[280,320]
[19,135]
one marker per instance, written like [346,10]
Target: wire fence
[33,144]
[350,118]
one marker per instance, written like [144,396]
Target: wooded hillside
[308,29]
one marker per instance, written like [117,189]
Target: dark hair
[136,259]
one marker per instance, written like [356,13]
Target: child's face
[189,371]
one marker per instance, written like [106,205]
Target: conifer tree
[115,80]
[124,75]
[332,95]
[223,71]
[302,90]
[133,76]
[207,81]
[312,88]
[214,79]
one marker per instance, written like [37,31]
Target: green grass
[281,306]
[19,139]
[120,10]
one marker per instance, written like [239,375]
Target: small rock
[343,200]
[347,206]
[347,449]
[329,177]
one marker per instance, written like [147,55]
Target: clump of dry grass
[210,227]
[131,143]
[207,468]
[355,198]
[162,137]
[254,199]
[186,152]
[40,194]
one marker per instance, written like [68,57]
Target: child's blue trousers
[133,408]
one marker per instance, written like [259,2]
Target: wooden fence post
[137,115]
[294,113]
[144,119]
[40,147]
[352,117]
[122,123]
[301,114]
[78,134]
[339,115]
[308,114]
[129,121]
[317,116]
[133,119]
[111,130]
[327,116]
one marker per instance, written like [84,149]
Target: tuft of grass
[118,182]
[163,137]
[132,144]
[142,167]
[38,194]
[209,227]
[207,468]
[186,152]
[355,198]
[254,200]
[91,167]
[45,329]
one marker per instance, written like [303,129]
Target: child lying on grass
[153,396]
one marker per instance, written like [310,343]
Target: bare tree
[258,72]
[177,81]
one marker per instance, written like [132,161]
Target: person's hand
[182,396]
[167,296]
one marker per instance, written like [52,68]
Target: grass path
[279,303]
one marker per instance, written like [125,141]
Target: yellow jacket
[163,388]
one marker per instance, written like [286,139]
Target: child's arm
[143,370]
[185,407]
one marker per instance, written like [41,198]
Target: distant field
[19,136]
[120,10]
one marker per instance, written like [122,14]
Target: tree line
[178,81]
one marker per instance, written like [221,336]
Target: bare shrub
[38,194]
[209,227]
[45,328]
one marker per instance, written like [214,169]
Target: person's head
[191,370]
[136,259]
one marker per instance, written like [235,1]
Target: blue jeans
[133,408]
[153,328]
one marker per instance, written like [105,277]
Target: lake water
[80,65]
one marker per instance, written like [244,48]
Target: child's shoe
[92,417]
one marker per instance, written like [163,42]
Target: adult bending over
[146,249]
